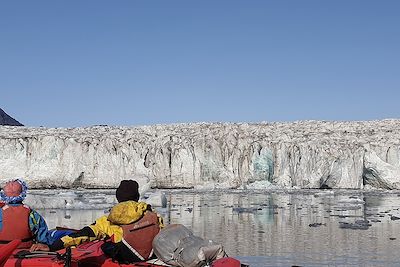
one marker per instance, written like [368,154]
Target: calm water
[303,228]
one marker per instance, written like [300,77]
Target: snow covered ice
[304,154]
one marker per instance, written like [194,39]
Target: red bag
[226,262]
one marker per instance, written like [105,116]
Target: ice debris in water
[244,210]
[316,224]
[357,225]
[352,200]
[155,199]
[324,193]
[260,185]
[99,199]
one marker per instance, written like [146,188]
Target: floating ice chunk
[357,225]
[79,199]
[352,201]
[324,193]
[213,185]
[260,185]
[245,210]
[155,199]
[316,224]
[144,187]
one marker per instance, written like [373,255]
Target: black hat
[128,190]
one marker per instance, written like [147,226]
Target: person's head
[127,190]
[14,191]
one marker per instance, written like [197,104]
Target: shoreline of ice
[103,199]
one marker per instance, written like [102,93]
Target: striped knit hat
[14,191]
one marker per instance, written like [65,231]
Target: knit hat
[128,190]
[14,191]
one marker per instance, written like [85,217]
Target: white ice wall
[305,154]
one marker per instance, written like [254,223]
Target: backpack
[178,246]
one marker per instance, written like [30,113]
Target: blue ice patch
[263,165]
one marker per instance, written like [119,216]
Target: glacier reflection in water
[264,228]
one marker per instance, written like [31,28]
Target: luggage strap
[66,257]
[25,254]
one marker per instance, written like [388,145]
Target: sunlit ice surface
[260,227]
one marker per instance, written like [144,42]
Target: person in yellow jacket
[129,228]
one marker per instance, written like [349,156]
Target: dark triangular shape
[5,119]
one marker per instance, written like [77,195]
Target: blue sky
[82,63]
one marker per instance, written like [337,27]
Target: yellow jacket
[108,226]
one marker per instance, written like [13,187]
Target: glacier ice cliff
[303,154]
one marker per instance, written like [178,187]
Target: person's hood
[127,212]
